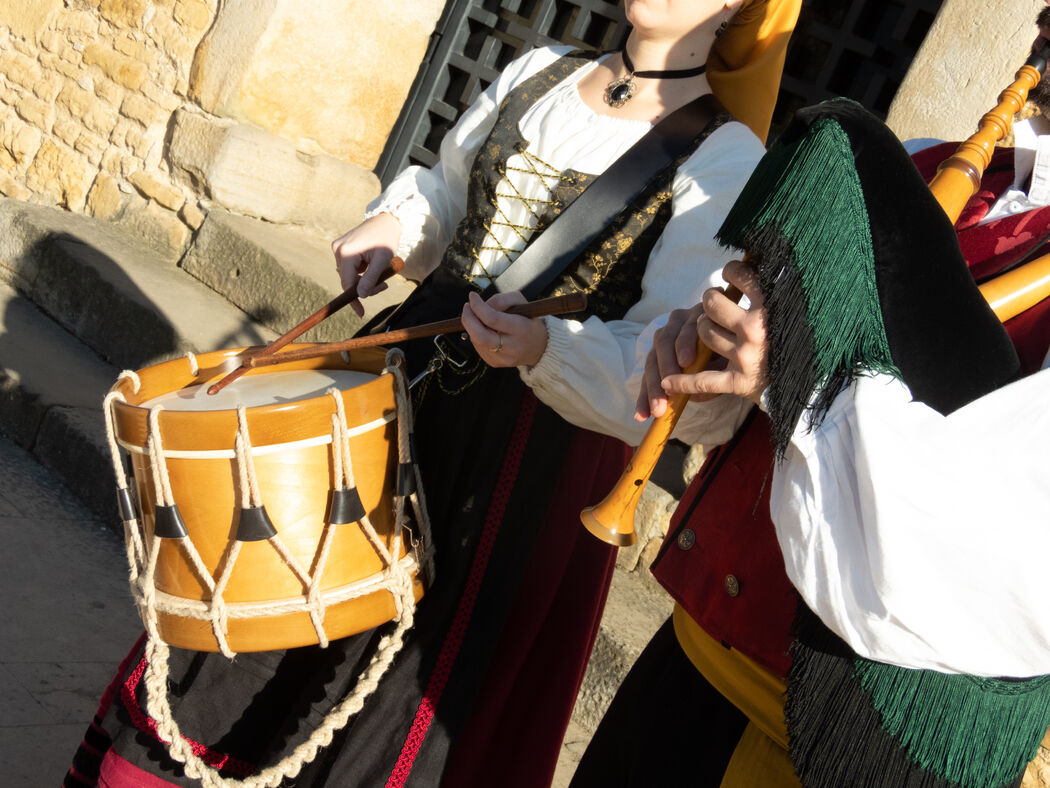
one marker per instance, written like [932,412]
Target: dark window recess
[860,49]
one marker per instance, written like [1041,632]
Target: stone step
[277,275]
[126,300]
[51,390]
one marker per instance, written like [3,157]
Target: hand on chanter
[737,335]
[503,340]
[364,253]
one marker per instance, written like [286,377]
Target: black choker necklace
[620,91]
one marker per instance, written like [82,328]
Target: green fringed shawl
[976,732]
[802,216]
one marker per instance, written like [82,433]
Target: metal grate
[859,49]
[473,42]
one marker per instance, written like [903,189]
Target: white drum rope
[133,543]
[395,366]
[194,366]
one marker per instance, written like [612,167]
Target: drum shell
[293,465]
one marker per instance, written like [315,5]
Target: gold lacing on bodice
[532,167]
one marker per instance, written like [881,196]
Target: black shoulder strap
[600,203]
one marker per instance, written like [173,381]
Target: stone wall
[969,56]
[151,111]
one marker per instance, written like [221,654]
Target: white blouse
[920,538]
[584,370]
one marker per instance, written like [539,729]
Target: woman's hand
[364,253]
[736,334]
[504,340]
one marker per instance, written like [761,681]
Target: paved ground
[67,620]
[66,623]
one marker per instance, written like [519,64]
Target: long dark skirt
[665,726]
[486,679]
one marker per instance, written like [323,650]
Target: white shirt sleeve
[911,533]
[430,202]
[584,372]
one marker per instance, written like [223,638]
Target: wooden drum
[208,570]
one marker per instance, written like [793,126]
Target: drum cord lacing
[395,365]
[402,590]
[165,497]
[133,544]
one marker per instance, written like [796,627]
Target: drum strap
[569,234]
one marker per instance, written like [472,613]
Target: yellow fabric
[759,761]
[747,60]
[742,681]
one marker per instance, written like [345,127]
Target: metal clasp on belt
[443,353]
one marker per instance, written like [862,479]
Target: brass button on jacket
[686,539]
[732,585]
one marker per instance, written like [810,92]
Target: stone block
[136,50]
[104,200]
[60,173]
[19,69]
[651,520]
[124,14]
[19,139]
[72,442]
[143,110]
[694,461]
[92,146]
[120,68]
[1038,773]
[81,26]
[174,40]
[119,295]
[53,41]
[161,96]
[944,94]
[275,275]
[192,215]
[33,110]
[110,163]
[67,131]
[274,63]
[28,19]
[110,92]
[251,171]
[156,225]
[48,87]
[194,15]
[155,188]
[9,187]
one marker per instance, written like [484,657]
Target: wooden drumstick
[556,305]
[329,309]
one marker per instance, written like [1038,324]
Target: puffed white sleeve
[430,202]
[910,533]
[584,372]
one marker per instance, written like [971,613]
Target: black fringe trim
[835,735]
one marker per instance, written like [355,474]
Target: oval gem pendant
[620,92]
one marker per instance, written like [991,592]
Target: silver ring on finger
[499,344]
